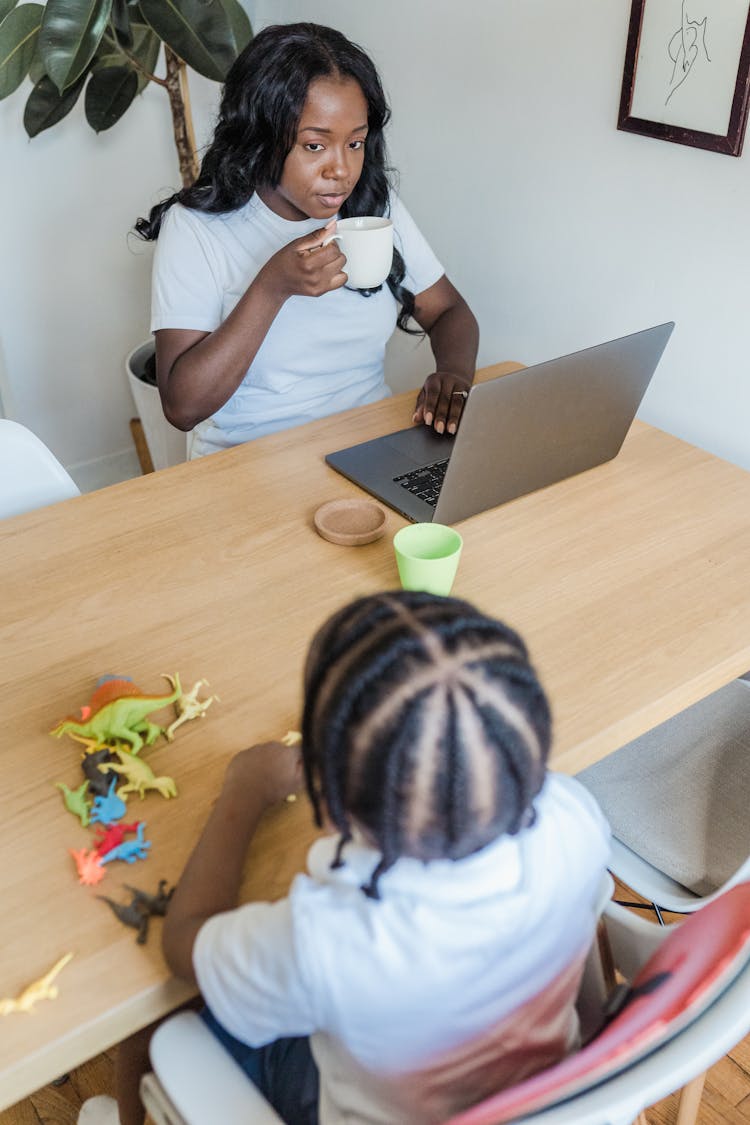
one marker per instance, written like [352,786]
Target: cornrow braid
[424,726]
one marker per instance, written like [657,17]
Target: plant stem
[133,60]
[182,118]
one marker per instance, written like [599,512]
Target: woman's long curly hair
[262,102]
[424,725]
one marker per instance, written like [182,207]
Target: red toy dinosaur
[112,836]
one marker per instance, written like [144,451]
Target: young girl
[255,327]
[434,950]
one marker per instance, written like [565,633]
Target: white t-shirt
[321,354]
[388,987]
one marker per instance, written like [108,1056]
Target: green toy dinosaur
[117,713]
[75,801]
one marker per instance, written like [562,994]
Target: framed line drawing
[687,72]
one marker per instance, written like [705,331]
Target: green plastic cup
[427,557]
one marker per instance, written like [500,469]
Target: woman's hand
[269,771]
[454,336]
[199,372]
[305,267]
[441,401]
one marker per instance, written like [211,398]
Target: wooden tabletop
[629,582]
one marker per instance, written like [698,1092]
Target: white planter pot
[166,444]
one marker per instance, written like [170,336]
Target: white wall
[560,230]
[74,285]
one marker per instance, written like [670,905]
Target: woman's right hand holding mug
[307,267]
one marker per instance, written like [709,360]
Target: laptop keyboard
[424,482]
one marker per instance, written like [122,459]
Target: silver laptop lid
[533,427]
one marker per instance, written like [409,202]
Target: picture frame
[686,76]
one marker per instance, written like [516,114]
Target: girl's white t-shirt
[450,951]
[321,354]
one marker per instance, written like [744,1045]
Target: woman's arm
[198,372]
[454,337]
[255,779]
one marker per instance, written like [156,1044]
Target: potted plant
[108,51]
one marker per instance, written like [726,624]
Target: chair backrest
[30,475]
[696,962]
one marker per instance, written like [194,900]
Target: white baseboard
[115,467]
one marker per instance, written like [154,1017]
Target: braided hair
[261,105]
[424,725]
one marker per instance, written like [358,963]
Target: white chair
[665,893]
[677,799]
[30,475]
[681,1020]
[196,1081]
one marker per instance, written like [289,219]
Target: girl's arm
[255,779]
[454,337]
[198,372]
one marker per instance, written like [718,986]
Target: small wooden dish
[350,523]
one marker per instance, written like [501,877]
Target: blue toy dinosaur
[129,850]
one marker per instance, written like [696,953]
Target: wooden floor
[726,1098]
[59,1105]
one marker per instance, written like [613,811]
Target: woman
[255,328]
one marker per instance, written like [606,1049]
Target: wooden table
[629,582]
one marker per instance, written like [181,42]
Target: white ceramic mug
[367,243]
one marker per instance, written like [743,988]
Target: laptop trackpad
[420,444]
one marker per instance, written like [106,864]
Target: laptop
[518,432]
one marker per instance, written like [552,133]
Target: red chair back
[694,964]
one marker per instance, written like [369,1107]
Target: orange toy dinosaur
[117,712]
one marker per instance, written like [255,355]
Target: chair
[30,476]
[677,798]
[688,1005]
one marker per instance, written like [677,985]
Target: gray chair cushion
[679,796]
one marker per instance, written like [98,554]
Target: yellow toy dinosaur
[41,989]
[187,705]
[139,776]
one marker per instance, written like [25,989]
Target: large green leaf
[145,50]
[239,23]
[199,31]
[5,7]
[146,47]
[108,94]
[19,33]
[70,35]
[121,23]
[46,106]
[36,69]
[107,55]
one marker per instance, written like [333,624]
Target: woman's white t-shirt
[321,354]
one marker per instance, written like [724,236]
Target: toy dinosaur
[41,989]
[187,705]
[137,913]
[291,738]
[118,712]
[128,850]
[111,837]
[88,866]
[89,744]
[75,801]
[99,780]
[140,776]
[107,809]
[155,904]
